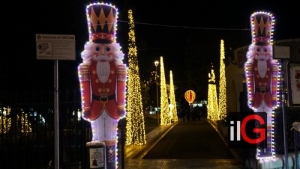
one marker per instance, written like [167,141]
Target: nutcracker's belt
[104,98]
[262,90]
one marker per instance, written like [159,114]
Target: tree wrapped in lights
[173,108]
[5,121]
[212,99]
[165,117]
[24,122]
[222,84]
[135,124]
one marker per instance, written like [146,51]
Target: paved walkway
[181,164]
[134,155]
[137,152]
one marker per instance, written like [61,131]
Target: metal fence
[27,130]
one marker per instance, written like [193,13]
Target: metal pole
[296,142]
[284,122]
[156,93]
[56,116]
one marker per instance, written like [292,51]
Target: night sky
[162,28]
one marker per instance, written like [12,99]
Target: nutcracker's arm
[250,82]
[84,79]
[121,88]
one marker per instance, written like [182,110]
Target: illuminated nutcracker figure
[102,77]
[261,70]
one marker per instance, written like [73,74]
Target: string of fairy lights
[165,117]
[217,106]
[212,98]
[222,84]
[6,121]
[135,123]
[173,107]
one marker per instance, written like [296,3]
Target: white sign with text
[55,47]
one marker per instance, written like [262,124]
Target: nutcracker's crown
[102,22]
[262,26]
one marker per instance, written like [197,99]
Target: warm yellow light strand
[5,120]
[173,108]
[135,123]
[212,99]
[222,84]
[24,122]
[165,117]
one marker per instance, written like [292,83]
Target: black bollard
[121,143]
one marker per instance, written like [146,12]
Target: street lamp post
[156,64]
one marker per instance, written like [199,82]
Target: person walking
[188,114]
[183,115]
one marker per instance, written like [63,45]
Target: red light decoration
[190,96]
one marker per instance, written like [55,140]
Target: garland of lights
[24,122]
[135,124]
[172,99]
[212,99]
[22,119]
[165,117]
[5,122]
[262,26]
[222,87]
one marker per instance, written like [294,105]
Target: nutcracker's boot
[111,154]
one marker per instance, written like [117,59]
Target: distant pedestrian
[188,114]
[183,115]
[179,113]
[196,113]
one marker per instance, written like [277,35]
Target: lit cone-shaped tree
[24,122]
[135,123]
[212,99]
[173,108]
[222,84]
[165,117]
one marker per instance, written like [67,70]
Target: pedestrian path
[182,164]
[137,152]
[134,155]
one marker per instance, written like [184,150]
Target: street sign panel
[55,47]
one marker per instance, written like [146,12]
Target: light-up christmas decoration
[190,96]
[5,120]
[24,123]
[212,99]
[262,75]
[222,84]
[102,77]
[165,117]
[173,108]
[135,124]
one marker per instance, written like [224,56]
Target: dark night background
[186,33]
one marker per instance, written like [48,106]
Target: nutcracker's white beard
[103,70]
[262,68]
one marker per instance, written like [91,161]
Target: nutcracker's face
[102,52]
[262,53]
